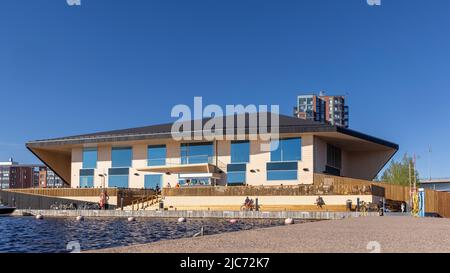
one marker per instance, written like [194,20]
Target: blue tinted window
[153,180]
[118,181]
[288,150]
[236,178]
[240,151]
[236,173]
[86,181]
[195,153]
[89,158]
[282,171]
[282,166]
[121,157]
[282,175]
[156,155]
[119,171]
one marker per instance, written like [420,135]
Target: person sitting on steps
[320,202]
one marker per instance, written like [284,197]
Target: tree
[400,172]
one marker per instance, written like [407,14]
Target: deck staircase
[145,203]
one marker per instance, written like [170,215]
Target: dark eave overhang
[99,138]
[366,137]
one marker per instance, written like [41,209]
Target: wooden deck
[308,208]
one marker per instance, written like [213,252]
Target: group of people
[170,186]
[189,182]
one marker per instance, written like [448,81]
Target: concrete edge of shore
[310,215]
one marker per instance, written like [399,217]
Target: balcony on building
[196,164]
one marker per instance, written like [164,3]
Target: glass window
[281,175]
[240,151]
[87,181]
[236,174]
[118,181]
[157,155]
[288,150]
[334,156]
[153,180]
[195,153]
[282,171]
[90,158]
[236,178]
[121,157]
[188,182]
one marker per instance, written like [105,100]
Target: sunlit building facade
[148,157]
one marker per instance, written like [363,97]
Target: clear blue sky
[112,64]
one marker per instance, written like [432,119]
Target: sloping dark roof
[287,124]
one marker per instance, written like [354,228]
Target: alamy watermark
[374,247]
[73,2]
[237,122]
[73,247]
[374,2]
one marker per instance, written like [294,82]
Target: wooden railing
[325,187]
[435,201]
[127,195]
[145,202]
[66,192]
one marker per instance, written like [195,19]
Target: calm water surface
[26,234]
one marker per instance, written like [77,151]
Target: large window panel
[87,181]
[89,158]
[152,181]
[288,150]
[87,178]
[240,151]
[118,181]
[282,175]
[334,156]
[282,171]
[196,153]
[156,155]
[121,157]
[236,174]
[236,178]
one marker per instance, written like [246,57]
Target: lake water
[50,235]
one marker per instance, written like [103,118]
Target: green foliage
[400,172]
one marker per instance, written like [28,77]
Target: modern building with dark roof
[147,157]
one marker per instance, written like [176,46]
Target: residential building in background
[48,179]
[17,176]
[22,176]
[323,108]
[5,168]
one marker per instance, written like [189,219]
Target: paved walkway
[391,234]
